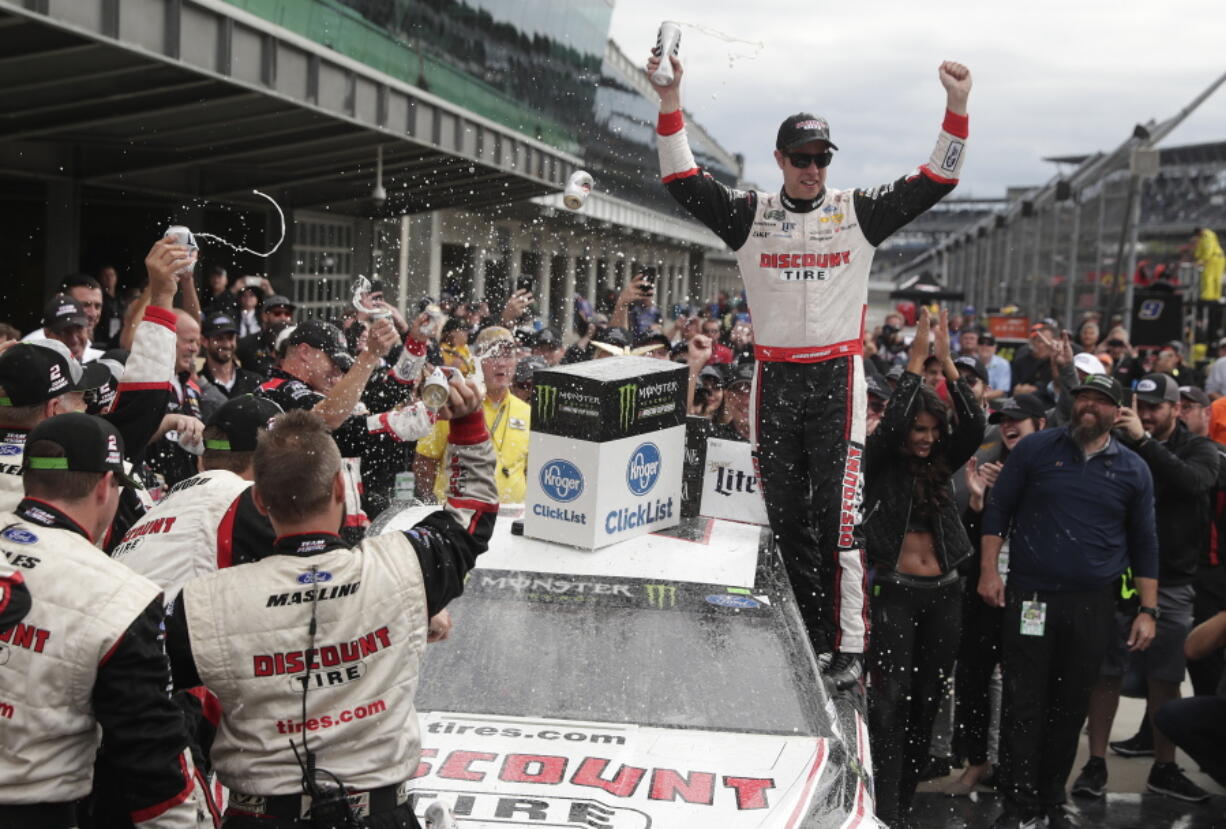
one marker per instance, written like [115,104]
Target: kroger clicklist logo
[644,468]
[561,480]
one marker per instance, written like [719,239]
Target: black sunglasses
[802,160]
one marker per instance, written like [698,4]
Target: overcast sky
[1050,78]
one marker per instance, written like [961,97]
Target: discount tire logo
[561,480]
[644,468]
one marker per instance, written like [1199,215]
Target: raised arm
[449,541]
[883,210]
[344,396]
[728,213]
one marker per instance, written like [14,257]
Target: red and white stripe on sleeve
[676,160]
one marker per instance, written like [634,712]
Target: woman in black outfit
[979,651]
[915,541]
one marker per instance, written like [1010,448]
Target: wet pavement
[1134,811]
[1126,805]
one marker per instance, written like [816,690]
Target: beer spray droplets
[241,249]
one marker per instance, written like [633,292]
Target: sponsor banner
[730,487]
[1009,328]
[604,400]
[493,771]
[594,591]
[591,494]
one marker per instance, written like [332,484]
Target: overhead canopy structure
[199,99]
[924,287]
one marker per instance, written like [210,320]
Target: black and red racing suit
[805,265]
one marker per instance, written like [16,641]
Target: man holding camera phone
[804,253]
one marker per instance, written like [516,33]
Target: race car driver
[209,521]
[87,653]
[804,254]
[333,632]
[316,372]
[39,379]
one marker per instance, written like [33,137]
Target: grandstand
[1057,249]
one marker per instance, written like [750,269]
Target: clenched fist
[956,79]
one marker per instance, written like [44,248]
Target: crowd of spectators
[1063,498]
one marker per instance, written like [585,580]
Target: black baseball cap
[987,338]
[802,128]
[1195,394]
[877,387]
[1022,407]
[278,301]
[100,382]
[974,365]
[654,339]
[613,336]
[546,338]
[525,367]
[1103,384]
[716,373]
[1157,388]
[62,311]
[35,371]
[215,324]
[241,420]
[90,444]
[322,335]
[741,373]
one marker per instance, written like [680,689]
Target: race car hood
[494,771]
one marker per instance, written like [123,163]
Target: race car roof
[706,551]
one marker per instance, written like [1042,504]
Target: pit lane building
[423,141]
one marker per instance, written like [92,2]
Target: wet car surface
[665,681]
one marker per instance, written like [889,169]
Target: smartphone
[649,277]
[253,282]
[1127,402]
[524,283]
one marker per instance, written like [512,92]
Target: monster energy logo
[546,402]
[1127,585]
[627,397]
[661,595]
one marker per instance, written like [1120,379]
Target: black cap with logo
[33,372]
[215,324]
[877,387]
[1103,384]
[100,382]
[241,420]
[802,128]
[277,301]
[968,362]
[322,335]
[62,311]
[90,444]
[1021,407]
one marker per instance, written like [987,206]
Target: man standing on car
[804,254]
[1078,507]
[250,633]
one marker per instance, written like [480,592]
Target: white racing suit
[245,634]
[85,660]
[805,265]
